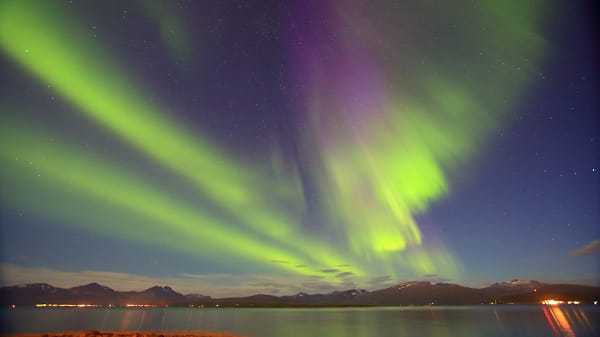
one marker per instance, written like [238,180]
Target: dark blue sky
[532,197]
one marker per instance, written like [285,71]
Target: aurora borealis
[271,147]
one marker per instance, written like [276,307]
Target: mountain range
[403,294]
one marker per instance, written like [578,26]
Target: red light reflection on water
[559,321]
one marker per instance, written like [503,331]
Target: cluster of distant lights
[558,302]
[53,305]
[82,305]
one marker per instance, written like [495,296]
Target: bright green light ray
[88,78]
[123,206]
[191,229]
[85,74]
[386,148]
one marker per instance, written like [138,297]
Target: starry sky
[241,147]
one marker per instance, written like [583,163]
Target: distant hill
[425,293]
[561,292]
[92,293]
[403,294]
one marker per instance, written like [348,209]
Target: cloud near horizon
[591,248]
[215,285]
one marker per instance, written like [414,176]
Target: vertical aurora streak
[385,134]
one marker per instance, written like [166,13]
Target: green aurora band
[83,175]
[381,152]
[383,134]
[115,102]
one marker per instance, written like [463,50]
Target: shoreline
[96,333]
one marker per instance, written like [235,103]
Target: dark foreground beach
[124,334]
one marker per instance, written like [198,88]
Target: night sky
[241,147]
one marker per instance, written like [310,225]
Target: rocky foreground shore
[125,334]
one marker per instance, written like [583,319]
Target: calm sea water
[489,321]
